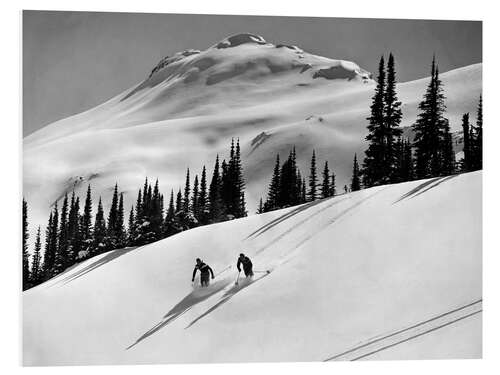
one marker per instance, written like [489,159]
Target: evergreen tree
[325,186]
[392,120]
[86,221]
[477,144]
[187,191]
[333,190]
[178,202]
[303,196]
[313,179]
[260,210]
[433,143]
[26,266]
[36,266]
[99,245]
[131,233]
[202,198]
[375,156]
[238,183]
[272,201]
[355,182]
[214,194]
[62,261]
[121,234]
[194,199]
[49,256]
[466,162]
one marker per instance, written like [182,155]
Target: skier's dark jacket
[204,270]
[246,262]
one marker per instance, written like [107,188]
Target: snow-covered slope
[394,270]
[192,104]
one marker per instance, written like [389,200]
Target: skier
[247,265]
[205,272]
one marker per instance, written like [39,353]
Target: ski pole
[266,271]
[236,283]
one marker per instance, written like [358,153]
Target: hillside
[191,104]
[391,272]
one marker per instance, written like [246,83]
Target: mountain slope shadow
[227,296]
[192,299]
[110,256]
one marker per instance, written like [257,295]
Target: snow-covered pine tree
[25,255]
[355,181]
[260,210]
[325,186]
[313,179]
[374,163]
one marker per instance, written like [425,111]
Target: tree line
[288,188]
[390,158]
[72,235]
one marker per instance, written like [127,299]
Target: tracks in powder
[435,323]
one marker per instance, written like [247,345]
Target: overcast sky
[73,61]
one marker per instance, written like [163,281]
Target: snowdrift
[391,272]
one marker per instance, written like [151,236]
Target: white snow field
[269,96]
[391,272]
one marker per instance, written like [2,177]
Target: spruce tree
[62,261]
[433,143]
[260,210]
[86,222]
[238,183]
[313,179]
[272,201]
[194,199]
[120,224]
[214,194]
[355,182]
[25,255]
[392,121]
[374,169]
[187,191]
[333,190]
[468,152]
[202,198]
[99,245]
[131,234]
[178,202]
[48,259]
[36,271]
[477,144]
[325,186]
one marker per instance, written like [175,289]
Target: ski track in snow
[378,344]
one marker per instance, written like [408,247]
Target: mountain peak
[239,39]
